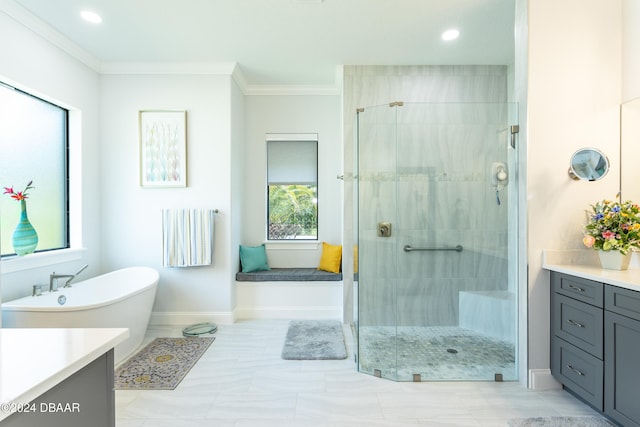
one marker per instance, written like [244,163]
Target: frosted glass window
[292,178]
[33,143]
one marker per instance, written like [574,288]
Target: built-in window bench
[289,293]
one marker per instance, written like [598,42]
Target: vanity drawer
[622,301]
[578,371]
[578,323]
[576,287]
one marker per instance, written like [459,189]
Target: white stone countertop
[585,264]
[32,361]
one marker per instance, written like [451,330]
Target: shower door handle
[409,248]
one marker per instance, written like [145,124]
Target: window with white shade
[292,187]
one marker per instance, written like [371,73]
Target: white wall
[31,63]
[131,220]
[574,95]
[236,202]
[293,114]
[630,49]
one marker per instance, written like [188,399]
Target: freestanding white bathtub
[119,299]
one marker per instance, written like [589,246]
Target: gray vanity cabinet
[577,336]
[622,355]
[86,398]
[595,344]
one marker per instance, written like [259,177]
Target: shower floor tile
[446,353]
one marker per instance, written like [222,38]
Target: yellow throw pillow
[355,258]
[331,258]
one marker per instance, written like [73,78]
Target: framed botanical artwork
[163,148]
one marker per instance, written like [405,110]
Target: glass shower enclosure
[435,286]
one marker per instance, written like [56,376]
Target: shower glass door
[436,230]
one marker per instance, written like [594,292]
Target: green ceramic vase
[25,237]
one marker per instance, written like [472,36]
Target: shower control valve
[384,229]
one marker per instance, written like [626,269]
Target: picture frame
[163,148]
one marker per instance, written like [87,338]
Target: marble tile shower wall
[429,176]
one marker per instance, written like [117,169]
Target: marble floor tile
[242,381]
[339,405]
[254,405]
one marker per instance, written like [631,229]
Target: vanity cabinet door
[622,301]
[622,369]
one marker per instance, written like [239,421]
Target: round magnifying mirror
[589,164]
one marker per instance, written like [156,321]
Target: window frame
[12,262]
[292,137]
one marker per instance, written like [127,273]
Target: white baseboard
[541,379]
[175,318]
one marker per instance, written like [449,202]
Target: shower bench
[289,293]
[289,275]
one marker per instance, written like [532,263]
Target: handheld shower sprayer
[499,178]
[502,175]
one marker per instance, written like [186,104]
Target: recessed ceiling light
[92,17]
[450,34]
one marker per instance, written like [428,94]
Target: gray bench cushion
[289,275]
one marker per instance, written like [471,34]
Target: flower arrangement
[613,226]
[20,195]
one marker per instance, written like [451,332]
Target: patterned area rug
[560,422]
[162,364]
[314,340]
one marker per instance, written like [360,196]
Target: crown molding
[274,90]
[51,35]
[270,90]
[212,68]
[239,78]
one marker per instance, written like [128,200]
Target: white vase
[614,260]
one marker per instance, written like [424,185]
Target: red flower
[20,195]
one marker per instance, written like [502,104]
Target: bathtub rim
[12,306]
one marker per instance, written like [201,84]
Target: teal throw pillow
[253,258]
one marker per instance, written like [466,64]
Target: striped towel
[187,237]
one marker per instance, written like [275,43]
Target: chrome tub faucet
[37,290]
[53,277]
